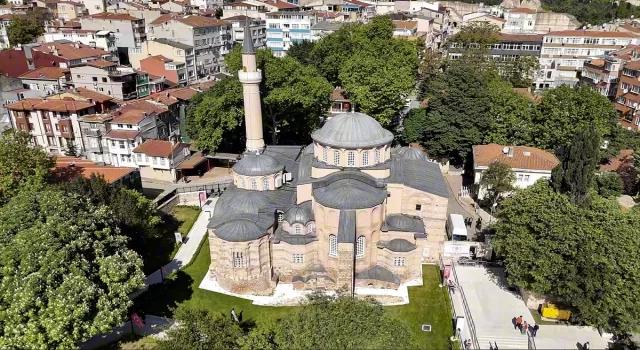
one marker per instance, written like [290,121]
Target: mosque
[346,211]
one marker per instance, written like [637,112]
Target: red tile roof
[591,33]
[101,63]
[96,96]
[200,21]
[68,24]
[157,148]
[161,19]
[405,24]
[133,116]
[123,134]
[49,73]
[631,28]
[338,95]
[184,93]
[281,4]
[523,157]
[614,163]
[68,168]
[71,51]
[158,58]
[521,37]
[143,105]
[113,16]
[523,10]
[31,104]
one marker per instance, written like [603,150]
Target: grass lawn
[186,217]
[428,304]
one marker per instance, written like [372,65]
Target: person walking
[534,330]
[467,344]
[586,346]
[452,287]
[518,323]
[495,347]
[525,328]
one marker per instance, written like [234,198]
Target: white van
[456,229]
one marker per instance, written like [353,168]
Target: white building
[520,21]
[5,21]
[126,134]
[528,163]
[158,159]
[101,39]
[285,28]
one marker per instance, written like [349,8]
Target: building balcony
[130,95]
[93,132]
[250,77]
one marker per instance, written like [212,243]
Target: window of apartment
[637,121]
[162,160]
[298,258]
[526,178]
[104,80]
[280,217]
[51,140]
[121,144]
[47,127]
[360,244]
[265,184]
[94,78]
[122,158]
[155,160]
[635,89]
[621,100]
[351,158]
[113,143]
[100,89]
[274,25]
[377,156]
[254,185]
[520,177]
[333,245]
[295,26]
[139,157]
[336,157]
[79,76]
[397,261]
[365,158]
[628,72]
[418,207]
[625,86]
[238,260]
[64,128]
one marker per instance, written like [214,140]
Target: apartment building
[59,24]
[94,129]
[158,159]
[207,4]
[107,78]
[137,10]
[257,27]
[602,75]
[210,38]
[249,9]
[128,131]
[519,21]
[564,53]
[129,31]
[50,80]
[404,28]
[5,22]
[323,28]
[95,6]
[67,10]
[175,72]
[176,6]
[101,39]
[285,28]
[51,123]
[628,95]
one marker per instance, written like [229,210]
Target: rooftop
[157,148]
[326,25]
[405,24]
[613,164]
[521,37]
[68,168]
[281,4]
[517,157]
[352,131]
[172,43]
[523,10]
[113,16]
[96,96]
[71,51]
[133,116]
[50,73]
[591,34]
[31,104]
[123,134]
[200,21]
[101,63]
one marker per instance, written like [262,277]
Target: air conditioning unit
[624,91]
[635,105]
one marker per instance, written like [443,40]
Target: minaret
[250,77]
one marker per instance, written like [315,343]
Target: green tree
[575,174]
[294,97]
[629,177]
[71,150]
[497,180]
[302,51]
[66,271]
[22,166]
[564,110]
[511,115]
[608,185]
[218,13]
[199,329]
[24,29]
[341,322]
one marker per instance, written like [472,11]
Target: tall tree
[200,330]
[608,185]
[22,166]
[24,29]
[66,271]
[71,150]
[497,180]
[294,97]
[511,115]
[575,174]
[302,51]
[629,177]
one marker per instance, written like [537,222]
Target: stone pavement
[455,206]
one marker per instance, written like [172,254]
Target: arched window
[336,157]
[377,155]
[244,184]
[265,184]
[360,244]
[278,181]
[333,245]
[365,158]
[254,185]
[325,150]
[238,260]
[310,228]
[298,229]
[351,159]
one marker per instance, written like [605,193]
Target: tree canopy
[587,257]
[497,181]
[294,97]
[24,29]
[66,271]
[200,330]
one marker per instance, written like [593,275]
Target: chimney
[90,100]
[510,152]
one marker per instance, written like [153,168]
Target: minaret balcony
[250,77]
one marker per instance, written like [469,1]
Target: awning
[193,161]
[225,156]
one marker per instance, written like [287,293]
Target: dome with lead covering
[247,202]
[257,165]
[411,153]
[299,214]
[401,222]
[352,131]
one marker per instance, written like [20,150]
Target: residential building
[628,96]
[207,4]
[339,103]
[6,10]
[176,51]
[159,65]
[520,21]
[101,39]
[159,159]
[5,22]
[257,27]
[285,28]
[143,86]
[102,103]
[175,101]
[252,10]
[95,6]
[602,75]
[129,31]
[481,17]
[277,5]
[564,53]
[166,121]
[324,28]
[68,10]
[94,129]
[176,6]
[67,54]
[405,28]
[107,78]
[68,168]
[12,91]
[60,24]
[528,163]
[51,123]
[128,130]
[210,38]
[509,48]
[137,10]
[50,80]
[358,10]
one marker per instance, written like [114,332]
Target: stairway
[510,340]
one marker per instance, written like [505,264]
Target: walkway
[455,206]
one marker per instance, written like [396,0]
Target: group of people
[524,327]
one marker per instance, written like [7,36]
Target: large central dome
[352,131]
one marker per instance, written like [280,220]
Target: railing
[453,308]
[531,342]
[467,311]
[216,187]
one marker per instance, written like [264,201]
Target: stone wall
[551,21]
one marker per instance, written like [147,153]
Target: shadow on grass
[158,252]
[161,299]
[151,193]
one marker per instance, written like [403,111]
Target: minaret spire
[250,77]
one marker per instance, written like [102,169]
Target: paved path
[454,182]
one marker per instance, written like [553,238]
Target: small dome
[308,150]
[257,165]
[299,214]
[411,153]
[239,231]
[352,131]
[400,245]
[401,222]
[247,202]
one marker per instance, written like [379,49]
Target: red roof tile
[31,104]
[71,51]
[101,63]
[523,10]
[133,116]
[50,73]
[68,168]
[113,16]
[614,163]
[523,157]
[123,134]
[96,96]
[281,4]
[157,148]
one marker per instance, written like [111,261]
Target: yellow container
[551,311]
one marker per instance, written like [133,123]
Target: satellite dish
[505,150]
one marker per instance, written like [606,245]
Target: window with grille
[336,158]
[265,184]
[280,216]
[333,245]
[298,229]
[365,158]
[310,228]
[324,154]
[360,244]
[398,261]
[351,159]
[298,258]
[254,185]
[238,260]
[377,156]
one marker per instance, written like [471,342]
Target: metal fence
[453,308]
